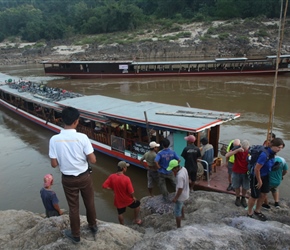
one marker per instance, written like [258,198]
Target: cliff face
[192,41]
[212,222]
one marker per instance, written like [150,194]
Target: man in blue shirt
[259,182]
[162,160]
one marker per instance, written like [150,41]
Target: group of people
[266,176]
[72,152]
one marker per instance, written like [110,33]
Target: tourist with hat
[152,173]
[190,154]
[182,189]
[123,192]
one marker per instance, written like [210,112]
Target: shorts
[151,177]
[135,204]
[274,189]
[240,180]
[178,208]
[230,168]
[255,193]
[192,175]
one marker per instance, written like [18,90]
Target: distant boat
[123,69]
[116,127]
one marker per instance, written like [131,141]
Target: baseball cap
[123,164]
[172,164]
[153,144]
[190,138]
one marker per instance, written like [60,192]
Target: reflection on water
[24,145]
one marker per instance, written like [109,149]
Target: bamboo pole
[281,36]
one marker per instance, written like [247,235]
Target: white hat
[153,144]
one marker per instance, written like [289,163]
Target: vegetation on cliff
[34,20]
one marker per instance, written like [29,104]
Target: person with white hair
[239,172]
[230,161]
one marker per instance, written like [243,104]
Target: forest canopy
[33,20]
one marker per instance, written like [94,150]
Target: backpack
[253,155]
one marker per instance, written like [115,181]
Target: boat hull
[145,75]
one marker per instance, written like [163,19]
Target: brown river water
[24,145]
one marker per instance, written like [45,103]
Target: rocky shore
[212,222]
[251,38]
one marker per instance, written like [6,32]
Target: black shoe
[266,206]
[244,202]
[277,205]
[229,188]
[94,229]
[75,240]
[238,202]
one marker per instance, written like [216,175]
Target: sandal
[260,216]
[138,222]
[250,215]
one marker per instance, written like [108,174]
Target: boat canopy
[281,56]
[84,62]
[159,115]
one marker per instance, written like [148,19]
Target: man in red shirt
[124,192]
[239,172]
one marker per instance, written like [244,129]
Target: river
[24,145]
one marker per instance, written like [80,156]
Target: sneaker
[244,202]
[238,202]
[277,205]
[94,229]
[68,234]
[266,206]
[229,188]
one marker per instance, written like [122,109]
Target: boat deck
[218,181]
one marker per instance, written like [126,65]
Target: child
[49,198]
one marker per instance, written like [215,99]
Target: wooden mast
[281,34]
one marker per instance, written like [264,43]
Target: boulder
[212,221]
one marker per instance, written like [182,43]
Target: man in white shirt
[71,151]
[182,189]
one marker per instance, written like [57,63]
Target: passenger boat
[119,128]
[127,69]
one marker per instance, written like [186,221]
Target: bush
[223,36]
[262,33]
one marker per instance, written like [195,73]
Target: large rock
[26,230]
[212,222]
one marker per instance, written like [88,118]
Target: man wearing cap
[124,192]
[182,189]
[71,151]
[152,173]
[190,154]
[162,160]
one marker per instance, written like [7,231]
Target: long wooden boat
[128,69]
[119,128]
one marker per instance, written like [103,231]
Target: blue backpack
[254,153]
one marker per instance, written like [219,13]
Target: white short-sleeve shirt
[182,181]
[70,148]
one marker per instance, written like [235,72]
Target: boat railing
[207,171]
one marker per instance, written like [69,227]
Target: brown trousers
[72,186]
